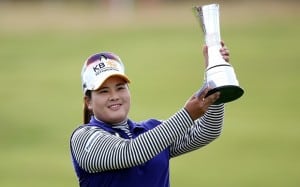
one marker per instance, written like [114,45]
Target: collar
[133,127]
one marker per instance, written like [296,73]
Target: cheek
[97,103]
[128,100]
[127,106]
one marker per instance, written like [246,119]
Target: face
[111,102]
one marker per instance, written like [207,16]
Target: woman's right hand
[198,104]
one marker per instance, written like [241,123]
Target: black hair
[87,114]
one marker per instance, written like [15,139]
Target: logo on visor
[105,66]
[111,64]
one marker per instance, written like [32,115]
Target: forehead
[113,80]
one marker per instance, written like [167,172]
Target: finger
[202,92]
[226,58]
[224,47]
[212,98]
[224,50]
[225,53]
[222,43]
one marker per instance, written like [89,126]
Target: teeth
[115,106]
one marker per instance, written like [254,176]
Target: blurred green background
[44,44]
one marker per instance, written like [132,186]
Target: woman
[111,150]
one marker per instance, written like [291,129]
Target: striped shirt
[123,126]
[96,150]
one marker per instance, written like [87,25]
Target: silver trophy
[220,75]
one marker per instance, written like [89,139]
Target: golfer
[111,150]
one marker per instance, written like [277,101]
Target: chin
[115,117]
[119,119]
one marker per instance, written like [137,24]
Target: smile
[115,106]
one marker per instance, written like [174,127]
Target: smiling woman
[111,150]
[111,102]
[95,74]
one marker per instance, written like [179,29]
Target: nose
[114,96]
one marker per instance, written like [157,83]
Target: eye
[121,86]
[102,91]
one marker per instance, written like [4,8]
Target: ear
[87,102]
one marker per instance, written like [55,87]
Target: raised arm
[204,131]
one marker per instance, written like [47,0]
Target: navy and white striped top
[98,148]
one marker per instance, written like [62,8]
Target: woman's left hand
[224,52]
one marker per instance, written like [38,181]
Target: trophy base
[228,93]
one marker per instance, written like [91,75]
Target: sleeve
[205,130]
[96,150]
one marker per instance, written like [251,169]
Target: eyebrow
[120,84]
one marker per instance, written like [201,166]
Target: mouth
[115,106]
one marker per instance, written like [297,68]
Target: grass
[41,97]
